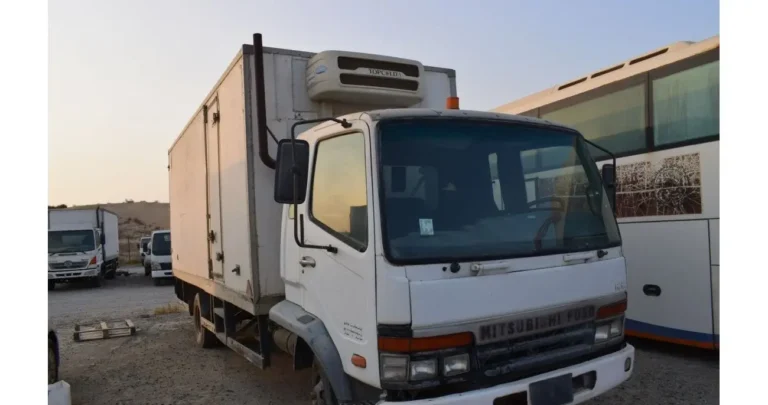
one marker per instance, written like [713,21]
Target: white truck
[159,256]
[83,245]
[143,247]
[371,249]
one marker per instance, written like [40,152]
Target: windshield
[477,190]
[161,244]
[70,241]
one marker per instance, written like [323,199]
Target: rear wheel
[203,337]
[322,392]
[53,365]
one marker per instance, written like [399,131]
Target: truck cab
[160,255]
[74,254]
[396,241]
[143,247]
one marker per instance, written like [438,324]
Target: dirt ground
[161,365]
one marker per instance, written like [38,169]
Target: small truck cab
[160,255]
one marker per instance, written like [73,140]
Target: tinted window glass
[614,121]
[686,105]
[339,197]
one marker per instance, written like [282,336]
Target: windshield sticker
[425,227]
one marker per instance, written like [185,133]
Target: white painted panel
[466,299]
[188,204]
[714,240]
[437,89]
[674,256]
[716,298]
[233,180]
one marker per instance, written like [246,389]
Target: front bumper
[162,273]
[72,274]
[609,370]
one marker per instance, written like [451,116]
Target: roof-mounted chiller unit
[358,78]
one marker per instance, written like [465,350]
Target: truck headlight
[455,365]
[394,367]
[155,266]
[602,332]
[609,330]
[423,369]
[616,327]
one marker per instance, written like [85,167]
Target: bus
[658,114]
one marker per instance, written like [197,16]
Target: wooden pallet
[104,330]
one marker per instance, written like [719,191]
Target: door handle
[307,261]
[652,290]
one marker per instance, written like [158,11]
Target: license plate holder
[552,391]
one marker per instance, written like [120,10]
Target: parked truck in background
[143,246]
[83,245]
[373,248]
[159,259]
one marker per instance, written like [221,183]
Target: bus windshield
[459,190]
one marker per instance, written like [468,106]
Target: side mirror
[608,173]
[290,176]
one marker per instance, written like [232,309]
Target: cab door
[338,284]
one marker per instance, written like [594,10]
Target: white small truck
[83,245]
[159,256]
[339,207]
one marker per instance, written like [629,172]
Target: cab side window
[339,199]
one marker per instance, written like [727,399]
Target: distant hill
[136,219]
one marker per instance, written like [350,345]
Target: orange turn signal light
[359,361]
[611,310]
[410,345]
[93,261]
[452,103]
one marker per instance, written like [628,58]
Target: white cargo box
[225,224]
[89,218]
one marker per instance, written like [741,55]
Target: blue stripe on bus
[671,333]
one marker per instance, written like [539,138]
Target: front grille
[68,265]
[165,266]
[512,355]
[380,82]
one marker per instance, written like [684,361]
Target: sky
[125,77]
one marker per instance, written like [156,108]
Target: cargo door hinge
[216,117]
[211,236]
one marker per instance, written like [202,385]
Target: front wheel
[147,271]
[322,392]
[51,285]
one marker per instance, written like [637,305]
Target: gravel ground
[161,365]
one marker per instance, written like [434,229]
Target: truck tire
[147,271]
[110,271]
[203,337]
[322,392]
[157,281]
[51,285]
[53,365]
